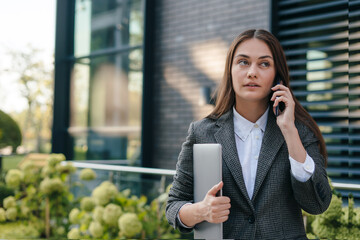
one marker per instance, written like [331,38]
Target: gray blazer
[274,212]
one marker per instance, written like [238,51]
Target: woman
[273,166]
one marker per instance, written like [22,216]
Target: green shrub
[40,196]
[96,229]
[9,202]
[104,193]
[5,192]
[10,134]
[2,215]
[337,222]
[118,215]
[74,234]
[87,204]
[87,174]
[130,225]
[13,178]
[20,230]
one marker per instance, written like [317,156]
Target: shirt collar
[243,127]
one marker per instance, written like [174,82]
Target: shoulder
[301,127]
[204,123]
[203,127]
[305,133]
[209,122]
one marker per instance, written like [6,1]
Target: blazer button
[251,219]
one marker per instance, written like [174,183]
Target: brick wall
[191,41]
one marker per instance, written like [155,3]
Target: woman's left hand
[286,118]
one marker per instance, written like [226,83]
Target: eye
[265,64]
[243,62]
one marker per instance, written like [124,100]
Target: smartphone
[281,106]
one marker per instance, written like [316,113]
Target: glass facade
[107,80]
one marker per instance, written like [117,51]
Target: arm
[314,195]
[286,122]
[212,209]
[181,191]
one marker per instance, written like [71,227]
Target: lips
[251,85]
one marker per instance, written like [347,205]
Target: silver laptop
[207,173]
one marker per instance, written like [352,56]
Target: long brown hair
[225,98]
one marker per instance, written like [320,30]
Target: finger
[221,200]
[276,113]
[223,213]
[279,87]
[220,219]
[213,191]
[220,208]
[278,100]
[277,94]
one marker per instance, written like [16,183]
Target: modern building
[130,75]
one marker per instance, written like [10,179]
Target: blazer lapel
[272,141]
[226,137]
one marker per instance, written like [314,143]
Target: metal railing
[167,172]
[163,173]
[117,168]
[346,186]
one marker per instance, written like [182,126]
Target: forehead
[254,48]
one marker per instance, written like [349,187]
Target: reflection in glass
[79,95]
[82,28]
[148,185]
[106,84]
[104,24]
[112,108]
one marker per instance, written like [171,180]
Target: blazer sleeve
[181,191]
[314,195]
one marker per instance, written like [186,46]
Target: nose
[252,72]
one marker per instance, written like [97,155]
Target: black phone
[281,106]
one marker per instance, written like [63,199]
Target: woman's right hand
[212,209]
[215,209]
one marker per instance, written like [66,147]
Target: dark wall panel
[191,41]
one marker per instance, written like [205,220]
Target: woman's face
[253,72]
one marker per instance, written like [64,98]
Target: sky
[23,22]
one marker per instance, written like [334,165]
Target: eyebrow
[246,56]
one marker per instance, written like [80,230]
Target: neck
[251,111]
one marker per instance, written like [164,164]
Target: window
[106,83]
[321,42]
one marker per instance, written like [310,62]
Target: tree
[10,134]
[35,79]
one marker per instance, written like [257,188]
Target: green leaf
[142,215]
[142,201]
[70,197]
[83,227]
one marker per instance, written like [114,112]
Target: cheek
[236,84]
[236,76]
[270,80]
[233,79]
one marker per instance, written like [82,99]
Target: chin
[251,98]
